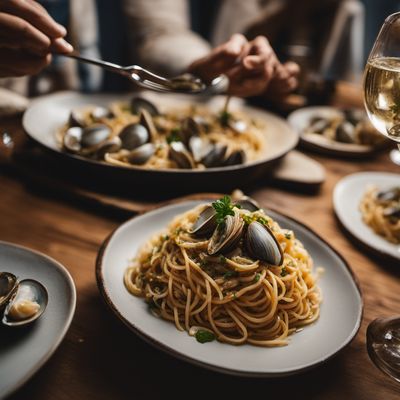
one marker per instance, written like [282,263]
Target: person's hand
[284,81]
[28,35]
[251,67]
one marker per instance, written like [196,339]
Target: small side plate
[346,199]
[300,119]
[24,350]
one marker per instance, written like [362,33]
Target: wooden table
[101,359]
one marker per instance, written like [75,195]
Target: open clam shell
[247,203]
[141,154]
[262,244]
[8,285]
[133,136]
[226,235]
[179,153]
[139,103]
[27,304]
[205,223]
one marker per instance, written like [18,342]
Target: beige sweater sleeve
[159,31]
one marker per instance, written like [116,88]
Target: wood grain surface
[101,359]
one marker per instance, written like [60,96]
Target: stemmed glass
[382,83]
[382,101]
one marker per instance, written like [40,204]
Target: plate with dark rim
[341,310]
[300,120]
[23,351]
[347,196]
[47,114]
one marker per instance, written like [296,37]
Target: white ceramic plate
[47,114]
[340,313]
[23,351]
[300,120]
[346,199]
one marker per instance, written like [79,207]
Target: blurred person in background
[30,36]
[172,36]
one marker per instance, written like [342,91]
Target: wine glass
[382,83]
[382,102]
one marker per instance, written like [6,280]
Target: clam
[109,146]
[262,245]
[94,135]
[186,82]
[72,139]
[392,194]
[98,113]
[77,118]
[179,153]
[345,132]
[139,103]
[147,121]
[206,222]
[318,125]
[27,303]
[226,235]
[235,158]
[199,147]
[133,135]
[247,203]
[215,157]
[237,125]
[189,129]
[393,213]
[141,154]
[8,284]
[354,115]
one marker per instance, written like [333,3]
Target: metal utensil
[186,83]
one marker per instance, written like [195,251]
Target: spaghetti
[380,210]
[232,296]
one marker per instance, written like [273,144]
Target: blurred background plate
[314,345]
[300,119]
[346,200]
[47,114]
[24,350]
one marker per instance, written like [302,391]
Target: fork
[185,83]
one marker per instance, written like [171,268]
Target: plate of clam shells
[37,304]
[161,140]
[333,131]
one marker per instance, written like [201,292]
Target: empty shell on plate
[21,301]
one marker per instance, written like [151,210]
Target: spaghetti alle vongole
[220,271]
[380,210]
[138,134]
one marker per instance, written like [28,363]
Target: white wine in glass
[382,101]
[382,82]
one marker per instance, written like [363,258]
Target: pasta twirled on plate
[228,271]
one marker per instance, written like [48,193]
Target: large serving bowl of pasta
[163,141]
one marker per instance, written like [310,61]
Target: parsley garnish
[203,336]
[288,236]
[224,118]
[284,271]
[222,259]
[257,277]
[230,274]
[248,219]
[223,207]
[174,136]
[262,221]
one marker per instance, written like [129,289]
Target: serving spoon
[185,83]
